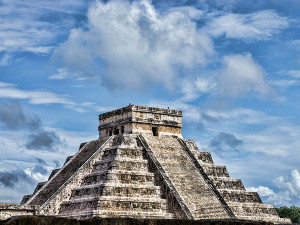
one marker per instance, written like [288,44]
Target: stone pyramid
[141,167]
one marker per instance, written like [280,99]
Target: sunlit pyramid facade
[141,167]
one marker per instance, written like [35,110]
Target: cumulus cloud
[225,142]
[26,26]
[13,117]
[43,140]
[291,183]
[288,190]
[37,97]
[241,75]
[192,89]
[136,44]
[263,191]
[14,183]
[64,73]
[259,25]
[8,90]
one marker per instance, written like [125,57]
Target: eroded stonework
[141,167]
[9,210]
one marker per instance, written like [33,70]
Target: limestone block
[9,210]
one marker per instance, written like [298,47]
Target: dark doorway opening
[116,131]
[110,132]
[122,129]
[155,131]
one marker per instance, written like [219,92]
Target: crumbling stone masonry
[8,210]
[141,167]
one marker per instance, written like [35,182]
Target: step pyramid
[119,184]
[141,167]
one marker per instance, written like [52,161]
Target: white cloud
[65,73]
[263,191]
[5,60]
[136,44]
[283,84]
[34,97]
[294,73]
[192,89]
[288,190]
[242,75]
[259,25]
[27,26]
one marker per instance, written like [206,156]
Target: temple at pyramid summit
[142,167]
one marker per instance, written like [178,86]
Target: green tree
[292,212]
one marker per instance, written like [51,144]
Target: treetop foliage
[292,212]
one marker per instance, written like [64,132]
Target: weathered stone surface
[42,195]
[135,119]
[118,185]
[47,220]
[197,195]
[140,167]
[244,204]
[8,210]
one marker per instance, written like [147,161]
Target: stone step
[213,170]
[248,209]
[69,158]
[191,144]
[25,199]
[132,191]
[87,191]
[203,157]
[275,220]
[116,190]
[95,178]
[79,205]
[123,163]
[240,196]
[119,176]
[39,186]
[190,185]
[134,153]
[54,172]
[227,183]
[134,204]
[135,214]
[114,204]
[118,214]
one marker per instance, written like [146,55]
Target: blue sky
[233,69]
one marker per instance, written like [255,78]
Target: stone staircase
[119,185]
[145,176]
[244,204]
[191,186]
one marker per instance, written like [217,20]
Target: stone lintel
[121,122]
[136,108]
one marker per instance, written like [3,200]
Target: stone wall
[140,120]
[38,220]
[8,210]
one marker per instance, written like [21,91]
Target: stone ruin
[141,167]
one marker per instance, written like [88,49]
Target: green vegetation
[292,212]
